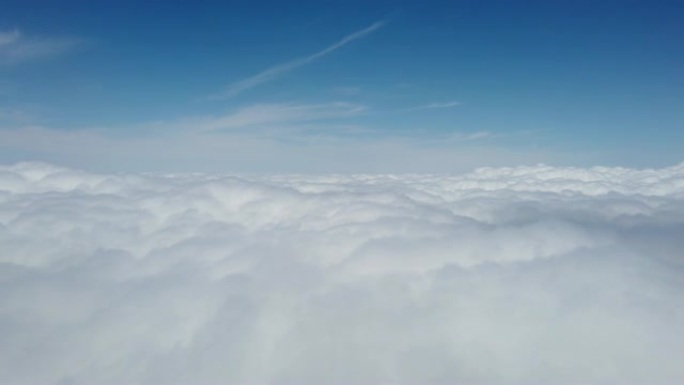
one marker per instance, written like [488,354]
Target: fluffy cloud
[516,275]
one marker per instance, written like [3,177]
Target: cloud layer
[516,275]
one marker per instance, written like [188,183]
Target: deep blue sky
[435,86]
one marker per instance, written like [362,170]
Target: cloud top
[510,275]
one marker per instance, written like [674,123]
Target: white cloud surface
[509,275]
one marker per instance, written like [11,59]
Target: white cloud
[16,48]
[508,275]
[281,69]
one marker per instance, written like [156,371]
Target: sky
[341,192]
[341,86]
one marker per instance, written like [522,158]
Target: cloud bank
[508,275]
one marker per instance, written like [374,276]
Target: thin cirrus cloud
[9,37]
[275,114]
[437,105]
[281,69]
[16,48]
[450,104]
[272,137]
[207,144]
[535,275]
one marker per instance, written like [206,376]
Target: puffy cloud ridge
[516,275]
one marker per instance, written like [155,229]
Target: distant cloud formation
[16,48]
[261,137]
[281,69]
[503,275]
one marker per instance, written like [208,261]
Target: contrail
[278,70]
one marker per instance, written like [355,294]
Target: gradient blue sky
[341,86]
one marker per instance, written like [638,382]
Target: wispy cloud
[9,37]
[347,90]
[281,69]
[270,115]
[433,106]
[324,148]
[466,136]
[16,48]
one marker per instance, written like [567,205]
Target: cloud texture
[515,275]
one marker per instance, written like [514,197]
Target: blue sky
[341,86]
